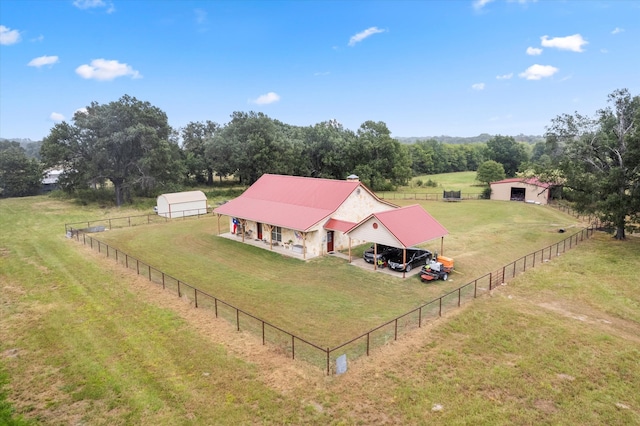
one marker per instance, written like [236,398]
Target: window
[276,233]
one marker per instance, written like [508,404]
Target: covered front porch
[295,251]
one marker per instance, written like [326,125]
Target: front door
[259,229]
[329,241]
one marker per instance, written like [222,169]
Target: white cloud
[534,51]
[90,4]
[537,72]
[102,69]
[617,30]
[201,16]
[82,110]
[479,4]
[573,43]
[504,76]
[266,99]
[8,36]
[56,116]
[478,86]
[364,34]
[43,60]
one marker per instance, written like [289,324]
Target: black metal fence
[297,347]
[128,221]
[424,196]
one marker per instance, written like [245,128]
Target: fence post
[129,221]
[490,281]
[215,305]
[163,280]
[459,295]
[395,337]
[328,362]
[420,317]
[475,289]
[263,333]
[116,255]
[293,347]
[238,318]
[440,313]
[126,260]
[504,274]
[138,266]
[179,294]
[195,295]
[368,336]
[149,272]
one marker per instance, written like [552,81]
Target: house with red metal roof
[311,214]
[521,189]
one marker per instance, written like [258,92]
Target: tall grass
[558,345]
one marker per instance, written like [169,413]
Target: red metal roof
[410,225]
[530,181]
[339,225]
[292,202]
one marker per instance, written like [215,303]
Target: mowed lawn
[326,300]
[84,342]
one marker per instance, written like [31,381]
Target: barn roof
[531,181]
[292,202]
[409,225]
[184,197]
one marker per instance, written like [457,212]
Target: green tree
[599,160]
[377,158]
[490,171]
[325,150]
[19,175]
[252,144]
[126,142]
[506,151]
[194,139]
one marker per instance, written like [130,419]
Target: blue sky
[425,68]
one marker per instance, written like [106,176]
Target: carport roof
[409,225]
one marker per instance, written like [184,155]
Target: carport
[403,227]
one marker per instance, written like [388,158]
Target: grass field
[326,300]
[83,341]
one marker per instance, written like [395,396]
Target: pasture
[326,300]
[83,341]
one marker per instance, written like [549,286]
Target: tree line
[128,145]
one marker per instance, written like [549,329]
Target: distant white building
[180,204]
[50,180]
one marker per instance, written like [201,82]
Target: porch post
[375,256]
[243,222]
[304,245]
[404,260]
[269,228]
